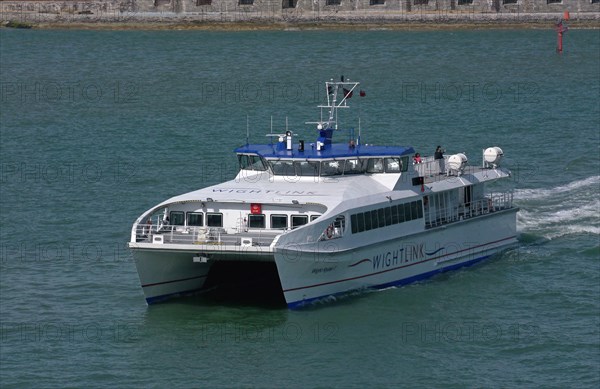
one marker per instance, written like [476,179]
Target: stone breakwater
[255,14]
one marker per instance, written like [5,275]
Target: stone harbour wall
[303,11]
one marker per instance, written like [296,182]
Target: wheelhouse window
[256,221]
[392,165]
[314,217]
[283,168]
[251,162]
[176,218]
[195,219]
[299,220]
[355,166]
[295,168]
[375,165]
[279,222]
[404,164]
[332,168]
[377,2]
[203,2]
[333,2]
[306,168]
[214,219]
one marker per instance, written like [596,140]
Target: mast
[333,90]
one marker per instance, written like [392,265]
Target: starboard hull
[306,276]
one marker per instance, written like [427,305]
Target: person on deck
[439,157]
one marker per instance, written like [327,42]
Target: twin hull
[324,270]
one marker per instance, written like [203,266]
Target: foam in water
[563,210]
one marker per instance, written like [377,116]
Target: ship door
[467,195]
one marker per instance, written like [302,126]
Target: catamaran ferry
[326,218]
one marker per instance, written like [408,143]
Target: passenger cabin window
[214,219]
[251,162]
[176,218]
[386,216]
[195,219]
[279,222]
[256,221]
[314,217]
[299,220]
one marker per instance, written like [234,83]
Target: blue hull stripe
[158,299]
[404,281]
[171,281]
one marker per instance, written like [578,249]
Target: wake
[564,210]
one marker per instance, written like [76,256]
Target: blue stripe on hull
[404,281]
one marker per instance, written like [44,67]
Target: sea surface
[98,126]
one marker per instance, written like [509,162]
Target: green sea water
[98,126]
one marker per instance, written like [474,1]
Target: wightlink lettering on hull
[406,254]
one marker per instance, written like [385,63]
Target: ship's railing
[430,167]
[171,234]
[491,203]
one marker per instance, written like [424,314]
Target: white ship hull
[165,274]
[306,276]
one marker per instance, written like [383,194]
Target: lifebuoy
[329,232]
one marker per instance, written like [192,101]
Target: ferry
[324,219]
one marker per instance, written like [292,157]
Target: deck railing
[490,203]
[430,167]
[171,234]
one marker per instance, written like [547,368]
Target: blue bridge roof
[334,150]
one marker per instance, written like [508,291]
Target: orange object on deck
[566,15]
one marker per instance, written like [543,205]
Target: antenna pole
[247,130]
[271,130]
